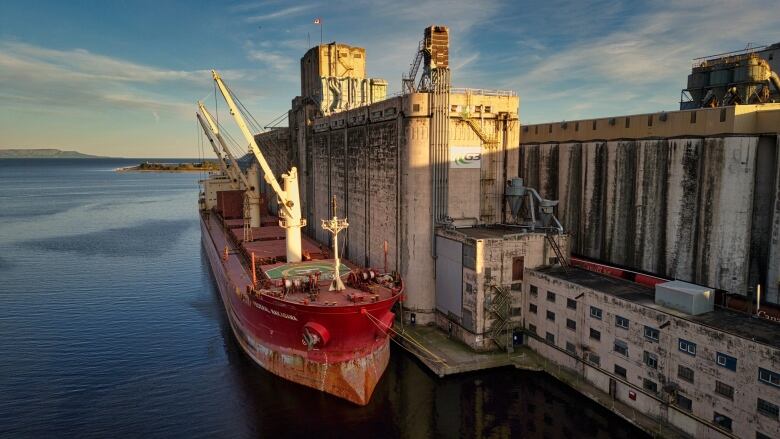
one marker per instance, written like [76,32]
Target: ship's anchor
[315,335]
[310,339]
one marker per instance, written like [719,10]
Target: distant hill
[43,153]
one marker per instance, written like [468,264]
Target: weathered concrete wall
[684,208]
[415,247]
[773,214]
[358,165]
[376,161]
[650,193]
[383,193]
[357,184]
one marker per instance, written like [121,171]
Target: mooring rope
[406,337]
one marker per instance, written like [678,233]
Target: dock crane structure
[288,197]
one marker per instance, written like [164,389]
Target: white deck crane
[214,146]
[289,199]
[234,172]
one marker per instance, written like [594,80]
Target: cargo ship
[294,306]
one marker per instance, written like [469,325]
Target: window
[594,125]
[628,122]
[532,308]
[652,333]
[650,359]
[570,348]
[551,296]
[769,377]
[532,328]
[723,115]
[550,338]
[650,385]
[534,291]
[621,347]
[650,120]
[724,390]
[571,304]
[683,402]
[595,312]
[487,108]
[693,117]
[766,408]
[517,272]
[722,421]
[594,359]
[726,361]
[621,322]
[416,107]
[571,324]
[550,316]
[596,335]
[621,371]
[688,347]
[549,128]
[685,373]
[576,126]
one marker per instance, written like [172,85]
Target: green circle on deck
[303,269]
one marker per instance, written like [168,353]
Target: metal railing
[482,91]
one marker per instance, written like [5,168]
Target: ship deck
[269,247]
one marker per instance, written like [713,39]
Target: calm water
[110,326]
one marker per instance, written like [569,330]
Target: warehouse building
[665,351]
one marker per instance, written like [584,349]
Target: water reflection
[410,402]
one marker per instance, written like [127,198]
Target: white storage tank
[686,297]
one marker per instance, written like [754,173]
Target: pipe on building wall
[439,149]
[775,80]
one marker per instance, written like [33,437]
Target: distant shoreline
[43,153]
[206,166]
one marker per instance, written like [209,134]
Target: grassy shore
[206,166]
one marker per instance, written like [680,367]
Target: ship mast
[289,199]
[334,226]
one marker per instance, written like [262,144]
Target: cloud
[84,81]
[81,64]
[281,13]
[272,60]
[638,63]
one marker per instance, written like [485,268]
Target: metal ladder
[498,307]
[558,253]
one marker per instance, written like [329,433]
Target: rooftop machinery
[741,77]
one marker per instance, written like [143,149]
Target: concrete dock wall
[684,208]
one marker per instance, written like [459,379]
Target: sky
[122,78]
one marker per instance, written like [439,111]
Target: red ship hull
[270,329]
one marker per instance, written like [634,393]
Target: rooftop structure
[746,76]
[333,76]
